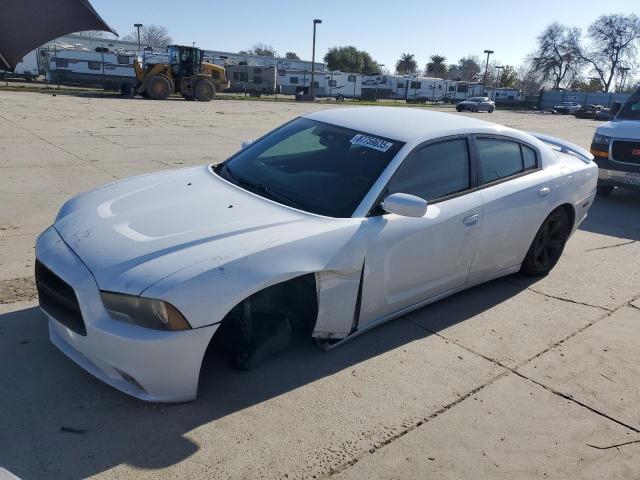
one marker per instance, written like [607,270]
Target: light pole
[624,71]
[498,73]
[486,67]
[138,26]
[316,21]
[378,79]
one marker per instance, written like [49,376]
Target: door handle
[471,220]
[543,192]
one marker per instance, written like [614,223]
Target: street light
[486,67]
[378,78]
[138,26]
[313,56]
[498,82]
[624,71]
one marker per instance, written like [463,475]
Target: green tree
[508,77]
[350,59]
[437,67]
[291,56]
[407,64]
[467,69]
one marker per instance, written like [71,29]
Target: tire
[158,87]
[604,190]
[203,91]
[491,109]
[459,109]
[547,245]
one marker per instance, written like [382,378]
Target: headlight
[601,139]
[145,312]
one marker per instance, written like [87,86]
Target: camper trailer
[111,70]
[505,95]
[28,67]
[252,79]
[463,90]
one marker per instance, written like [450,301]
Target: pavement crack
[611,246]
[617,445]
[576,302]
[440,411]
[582,404]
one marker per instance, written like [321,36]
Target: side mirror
[246,143]
[405,204]
[615,107]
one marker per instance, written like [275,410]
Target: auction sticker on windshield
[371,142]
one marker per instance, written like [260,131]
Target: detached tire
[158,87]
[204,90]
[548,244]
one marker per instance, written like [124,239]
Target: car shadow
[58,421]
[617,215]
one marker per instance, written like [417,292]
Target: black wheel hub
[549,243]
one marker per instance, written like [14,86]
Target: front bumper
[151,365]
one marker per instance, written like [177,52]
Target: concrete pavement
[512,379]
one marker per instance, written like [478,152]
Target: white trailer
[110,70]
[28,67]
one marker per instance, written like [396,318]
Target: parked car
[332,224]
[589,111]
[567,108]
[477,104]
[616,147]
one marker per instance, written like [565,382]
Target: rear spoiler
[564,146]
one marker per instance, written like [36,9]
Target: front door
[409,260]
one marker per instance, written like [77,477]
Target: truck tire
[204,90]
[158,87]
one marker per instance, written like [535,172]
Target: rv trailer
[252,79]
[112,71]
[28,67]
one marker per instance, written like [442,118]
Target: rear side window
[434,171]
[528,157]
[501,159]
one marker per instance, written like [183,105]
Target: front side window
[434,171]
[313,166]
[503,158]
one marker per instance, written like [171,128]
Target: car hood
[132,234]
[621,129]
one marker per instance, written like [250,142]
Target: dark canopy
[27,24]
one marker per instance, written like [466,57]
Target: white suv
[616,148]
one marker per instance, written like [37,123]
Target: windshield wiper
[259,187]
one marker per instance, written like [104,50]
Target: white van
[616,148]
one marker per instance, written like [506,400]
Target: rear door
[516,193]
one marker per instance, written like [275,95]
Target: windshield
[631,109]
[312,166]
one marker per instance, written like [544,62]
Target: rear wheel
[604,190]
[548,244]
[491,109]
[204,90]
[158,87]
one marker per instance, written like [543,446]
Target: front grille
[58,299]
[626,151]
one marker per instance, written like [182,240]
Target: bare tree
[530,79]
[151,35]
[467,69]
[558,55]
[262,50]
[614,41]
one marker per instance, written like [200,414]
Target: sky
[385,29]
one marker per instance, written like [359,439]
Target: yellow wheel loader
[185,74]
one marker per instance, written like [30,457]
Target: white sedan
[331,224]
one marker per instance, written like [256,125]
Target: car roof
[405,124]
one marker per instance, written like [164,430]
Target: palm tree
[407,64]
[437,67]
